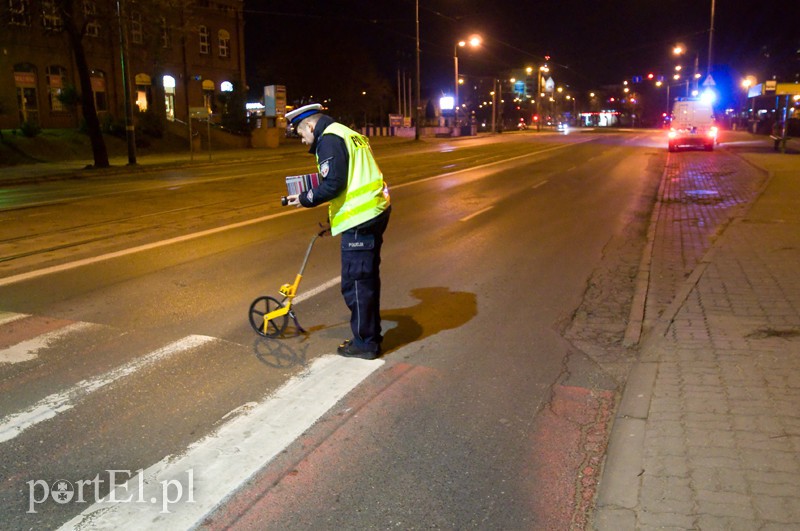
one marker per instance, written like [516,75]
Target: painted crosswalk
[47,408]
[213,468]
[176,491]
[29,349]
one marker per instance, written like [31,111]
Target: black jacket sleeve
[333,159]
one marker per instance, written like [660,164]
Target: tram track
[112,228]
[77,226]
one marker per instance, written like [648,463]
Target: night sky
[316,47]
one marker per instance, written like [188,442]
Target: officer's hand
[293,200]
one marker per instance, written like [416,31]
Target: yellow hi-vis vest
[366,195]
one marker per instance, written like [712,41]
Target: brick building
[180,54]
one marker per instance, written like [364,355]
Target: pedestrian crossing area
[54,372]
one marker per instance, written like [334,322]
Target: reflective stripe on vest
[367,195]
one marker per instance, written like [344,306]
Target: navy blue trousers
[361,280]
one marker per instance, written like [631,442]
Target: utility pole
[711,37]
[494,105]
[130,134]
[416,96]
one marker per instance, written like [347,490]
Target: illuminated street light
[474,41]
[680,49]
[542,70]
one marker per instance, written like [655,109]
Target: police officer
[358,209]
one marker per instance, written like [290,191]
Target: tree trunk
[99,150]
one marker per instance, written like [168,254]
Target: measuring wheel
[261,307]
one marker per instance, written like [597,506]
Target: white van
[692,125]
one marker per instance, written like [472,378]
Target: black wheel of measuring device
[261,307]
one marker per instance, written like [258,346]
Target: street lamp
[658,84]
[680,49]
[542,70]
[474,41]
[748,82]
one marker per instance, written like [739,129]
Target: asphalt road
[143,283]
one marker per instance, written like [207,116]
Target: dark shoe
[348,349]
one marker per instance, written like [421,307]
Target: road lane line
[125,252]
[488,164]
[213,468]
[50,406]
[534,187]
[29,349]
[478,213]
[316,291]
[179,239]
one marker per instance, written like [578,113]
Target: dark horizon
[312,46]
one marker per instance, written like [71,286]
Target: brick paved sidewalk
[708,432]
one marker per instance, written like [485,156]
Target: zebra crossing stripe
[50,406]
[29,349]
[213,468]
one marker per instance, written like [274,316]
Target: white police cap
[301,113]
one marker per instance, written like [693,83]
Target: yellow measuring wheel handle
[290,290]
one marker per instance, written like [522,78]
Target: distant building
[180,54]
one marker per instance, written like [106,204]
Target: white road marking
[213,468]
[9,317]
[50,406]
[317,290]
[125,252]
[179,239]
[487,165]
[29,349]
[478,213]
[535,186]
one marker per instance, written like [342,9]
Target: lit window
[56,78]
[98,80]
[169,96]
[208,95]
[224,43]
[27,100]
[205,44]
[143,92]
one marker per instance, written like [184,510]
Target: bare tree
[75,23]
